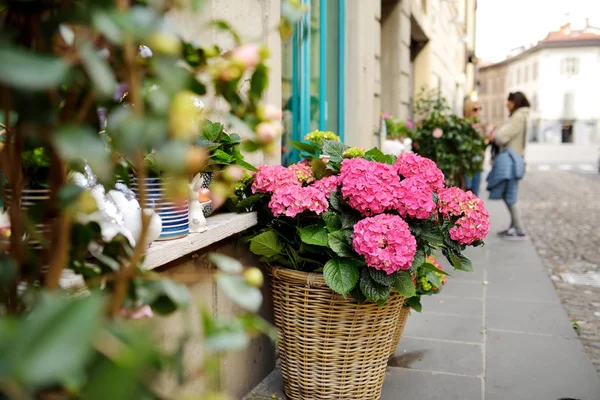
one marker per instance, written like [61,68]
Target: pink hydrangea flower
[303,171]
[369,187]
[386,115]
[473,226]
[328,184]
[386,242]
[451,201]
[473,223]
[409,124]
[415,199]
[270,177]
[291,200]
[411,164]
[437,133]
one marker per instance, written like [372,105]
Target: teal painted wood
[341,66]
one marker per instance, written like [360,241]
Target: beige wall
[440,63]
[362,73]
[239,372]
[492,93]
[256,21]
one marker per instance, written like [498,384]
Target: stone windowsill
[220,227]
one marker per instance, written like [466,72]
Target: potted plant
[223,150]
[397,138]
[343,235]
[448,139]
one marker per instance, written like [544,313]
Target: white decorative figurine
[199,197]
[118,210]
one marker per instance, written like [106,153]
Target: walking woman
[509,165]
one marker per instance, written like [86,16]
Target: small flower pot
[32,197]
[206,179]
[174,215]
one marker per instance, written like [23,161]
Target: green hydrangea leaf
[333,221]
[372,290]
[382,277]
[419,259]
[341,275]
[338,242]
[266,244]
[404,284]
[414,303]
[314,234]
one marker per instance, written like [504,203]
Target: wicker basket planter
[404,313]
[330,347]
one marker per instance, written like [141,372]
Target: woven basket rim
[310,279]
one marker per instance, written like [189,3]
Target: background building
[350,61]
[560,76]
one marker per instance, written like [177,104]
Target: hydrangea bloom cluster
[410,164]
[353,152]
[303,171]
[424,285]
[473,223]
[386,242]
[369,187]
[321,136]
[451,201]
[270,177]
[328,184]
[292,200]
[414,199]
[241,184]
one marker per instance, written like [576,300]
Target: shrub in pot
[450,140]
[343,232]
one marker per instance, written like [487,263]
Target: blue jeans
[473,183]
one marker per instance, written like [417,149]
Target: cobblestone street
[562,214]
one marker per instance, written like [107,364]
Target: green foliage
[459,152]
[266,244]
[341,275]
[223,148]
[371,289]
[314,234]
[79,89]
[396,129]
[404,284]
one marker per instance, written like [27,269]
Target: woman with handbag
[509,165]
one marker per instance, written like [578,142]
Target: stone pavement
[562,218]
[499,333]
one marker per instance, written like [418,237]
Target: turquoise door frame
[301,79]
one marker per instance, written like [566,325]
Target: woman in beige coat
[513,135]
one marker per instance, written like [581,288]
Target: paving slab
[439,356]
[445,327]
[527,316]
[531,367]
[452,305]
[406,384]
[463,289]
[518,283]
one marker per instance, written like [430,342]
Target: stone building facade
[561,78]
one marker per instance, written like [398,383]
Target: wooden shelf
[220,227]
